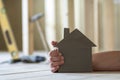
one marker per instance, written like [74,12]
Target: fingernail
[54,69]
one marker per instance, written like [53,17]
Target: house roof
[76,38]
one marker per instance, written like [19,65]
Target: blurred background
[99,20]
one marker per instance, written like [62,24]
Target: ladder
[7,33]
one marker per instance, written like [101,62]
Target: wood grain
[41,71]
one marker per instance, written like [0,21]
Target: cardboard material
[77,51]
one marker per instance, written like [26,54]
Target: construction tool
[10,41]
[7,33]
[35,18]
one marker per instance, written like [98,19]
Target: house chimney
[66,32]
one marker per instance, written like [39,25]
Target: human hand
[56,58]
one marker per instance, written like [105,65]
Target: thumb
[54,43]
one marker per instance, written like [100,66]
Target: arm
[107,61]
[103,61]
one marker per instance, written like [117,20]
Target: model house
[77,51]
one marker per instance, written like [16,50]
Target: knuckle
[51,53]
[62,58]
[60,54]
[51,60]
[62,62]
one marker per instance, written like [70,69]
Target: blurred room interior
[97,19]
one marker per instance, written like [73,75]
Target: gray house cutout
[77,51]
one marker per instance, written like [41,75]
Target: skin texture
[106,61]
[103,61]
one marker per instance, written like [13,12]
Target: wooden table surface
[41,71]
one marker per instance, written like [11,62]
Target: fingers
[57,59]
[54,64]
[54,53]
[56,56]
[54,43]
[54,69]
